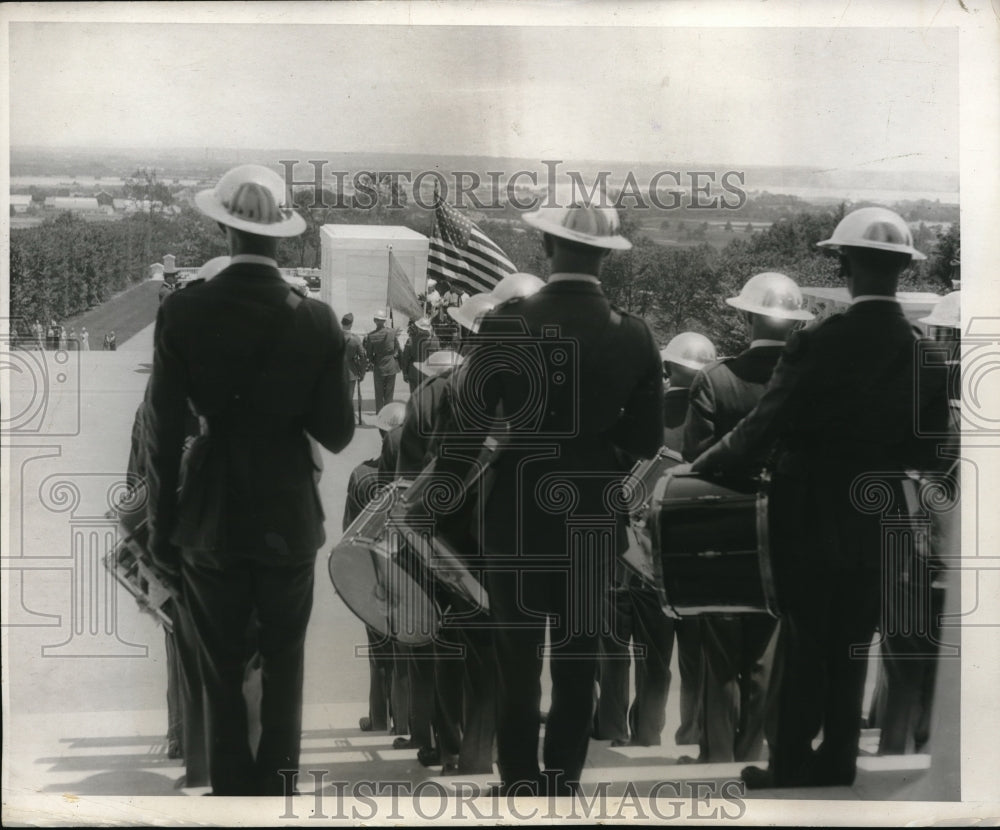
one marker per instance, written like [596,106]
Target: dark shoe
[619,742]
[365,724]
[757,778]
[687,759]
[403,743]
[428,756]
[449,765]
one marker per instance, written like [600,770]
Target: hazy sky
[832,97]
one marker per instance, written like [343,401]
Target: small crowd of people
[229,450]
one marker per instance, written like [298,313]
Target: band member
[364,482]
[418,426]
[420,343]
[635,607]
[909,648]
[356,359]
[842,403]
[683,357]
[592,403]
[739,696]
[264,370]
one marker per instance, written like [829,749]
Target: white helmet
[251,198]
[772,294]
[947,313]
[873,227]
[439,362]
[595,226]
[468,314]
[690,349]
[516,285]
[390,416]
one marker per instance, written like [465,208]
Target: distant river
[82,181]
[855,194]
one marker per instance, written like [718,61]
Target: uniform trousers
[691,667]
[385,385]
[380,665]
[638,618]
[524,605]
[831,615]
[221,599]
[905,695]
[189,695]
[419,662]
[738,693]
[465,678]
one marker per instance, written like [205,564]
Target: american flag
[462,254]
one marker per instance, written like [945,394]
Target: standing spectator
[84,340]
[61,337]
[357,362]
[382,348]
[110,342]
[72,342]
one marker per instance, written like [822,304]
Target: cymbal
[382,595]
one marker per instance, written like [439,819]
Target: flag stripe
[460,252]
[472,264]
[440,264]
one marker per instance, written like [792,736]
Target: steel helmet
[439,362]
[772,294]
[947,313]
[213,267]
[873,227]
[423,323]
[468,314]
[251,198]
[516,285]
[689,349]
[390,416]
[595,226]
[381,314]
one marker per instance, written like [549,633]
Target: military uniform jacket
[418,348]
[586,400]
[843,401]
[722,393]
[264,377]
[382,349]
[355,356]
[675,408]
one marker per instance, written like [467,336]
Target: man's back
[595,388]
[261,375]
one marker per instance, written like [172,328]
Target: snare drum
[366,573]
[639,487]
[133,568]
[711,538]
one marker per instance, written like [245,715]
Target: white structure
[355,268]
[20,203]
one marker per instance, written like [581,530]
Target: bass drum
[712,540]
[366,573]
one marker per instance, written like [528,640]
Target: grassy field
[126,314]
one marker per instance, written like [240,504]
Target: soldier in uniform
[419,345]
[364,481]
[739,696]
[592,403]
[357,360]
[264,370]
[841,402]
[382,348]
[909,648]
[635,607]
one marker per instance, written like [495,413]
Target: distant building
[77,204]
[105,199]
[20,203]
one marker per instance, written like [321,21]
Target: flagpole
[388,283]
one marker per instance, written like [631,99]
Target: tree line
[67,265]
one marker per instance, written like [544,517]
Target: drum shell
[711,539]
